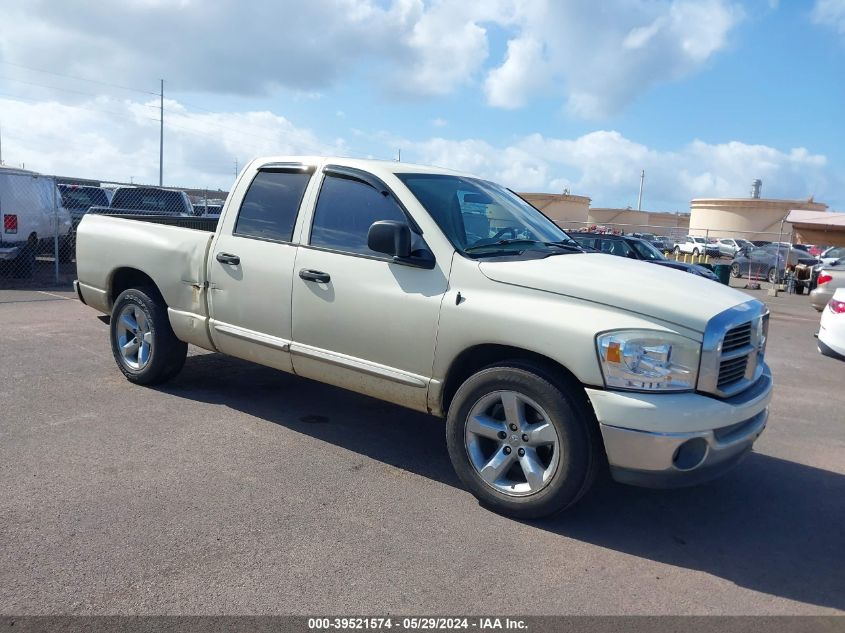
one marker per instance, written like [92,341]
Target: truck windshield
[481,218]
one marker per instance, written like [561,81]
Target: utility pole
[236,167]
[161,137]
[399,160]
[640,197]
[1,145]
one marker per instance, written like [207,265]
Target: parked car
[32,218]
[831,337]
[829,280]
[546,361]
[759,243]
[78,199]
[148,200]
[635,248]
[770,262]
[816,250]
[201,209]
[695,245]
[832,254]
[729,247]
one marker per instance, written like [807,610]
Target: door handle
[315,275]
[228,258]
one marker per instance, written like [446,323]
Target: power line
[79,92]
[93,81]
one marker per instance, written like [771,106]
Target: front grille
[731,370]
[731,352]
[737,337]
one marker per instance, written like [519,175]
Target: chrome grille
[737,337]
[732,350]
[732,370]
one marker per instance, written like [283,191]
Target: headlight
[645,360]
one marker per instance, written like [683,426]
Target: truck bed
[172,253]
[199,223]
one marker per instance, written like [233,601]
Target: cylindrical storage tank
[749,218]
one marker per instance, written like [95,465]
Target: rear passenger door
[251,267]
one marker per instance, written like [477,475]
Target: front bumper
[672,440]
[8,253]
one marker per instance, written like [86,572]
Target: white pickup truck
[448,294]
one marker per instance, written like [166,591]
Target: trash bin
[723,272]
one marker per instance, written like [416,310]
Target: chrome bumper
[668,460]
[8,253]
[666,440]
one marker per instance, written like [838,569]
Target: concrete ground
[237,489]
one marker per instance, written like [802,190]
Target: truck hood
[654,291]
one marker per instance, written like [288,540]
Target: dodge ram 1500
[448,294]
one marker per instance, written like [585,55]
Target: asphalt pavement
[237,489]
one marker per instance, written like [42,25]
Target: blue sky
[704,95]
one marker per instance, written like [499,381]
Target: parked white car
[832,326]
[32,217]
[832,255]
[695,246]
[448,294]
[730,247]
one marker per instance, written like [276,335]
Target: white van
[29,211]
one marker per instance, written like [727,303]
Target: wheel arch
[125,278]
[477,357]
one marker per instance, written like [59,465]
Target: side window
[345,211]
[271,204]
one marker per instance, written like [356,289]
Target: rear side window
[271,204]
[345,210]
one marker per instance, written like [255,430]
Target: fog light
[690,454]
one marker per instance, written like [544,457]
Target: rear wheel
[523,445]
[772,277]
[24,264]
[143,343]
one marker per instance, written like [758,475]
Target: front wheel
[695,252]
[772,277]
[522,445]
[735,272]
[143,343]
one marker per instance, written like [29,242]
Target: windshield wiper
[478,247]
[574,246]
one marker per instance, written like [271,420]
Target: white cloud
[111,139]
[595,56]
[438,122]
[830,13]
[606,166]
[600,56]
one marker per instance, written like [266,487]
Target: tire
[160,356]
[772,275]
[695,252]
[735,271]
[563,448]
[24,264]
[677,250]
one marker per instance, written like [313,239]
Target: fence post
[55,233]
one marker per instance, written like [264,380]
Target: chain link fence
[40,215]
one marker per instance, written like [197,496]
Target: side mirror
[390,237]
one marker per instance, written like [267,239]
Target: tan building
[751,218]
[631,220]
[564,209]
